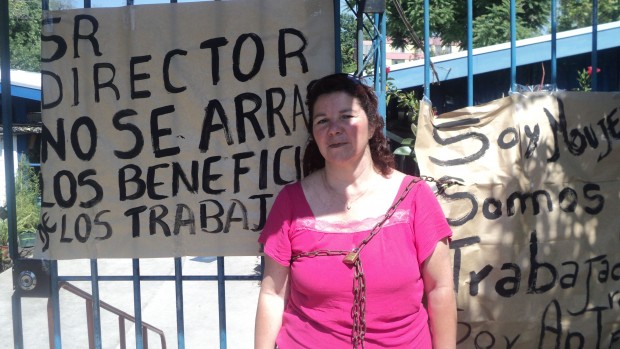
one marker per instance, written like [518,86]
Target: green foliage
[4,233]
[410,104]
[490,27]
[578,13]
[448,20]
[584,79]
[348,41]
[25,32]
[27,193]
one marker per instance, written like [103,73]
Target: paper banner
[169,129]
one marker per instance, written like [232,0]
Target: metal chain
[319,253]
[358,309]
[442,183]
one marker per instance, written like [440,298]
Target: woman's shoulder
[406,182]
[288,194]
[387,188]
[400,180]
[397,177]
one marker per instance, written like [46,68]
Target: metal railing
[136,278]
[90,309]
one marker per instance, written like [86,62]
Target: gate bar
[594,79]
[379,45]
[338,58]
[178,283]
[470,54]
[94,271]
[18,338]
[427,51]
[55,301]
[221,299]
[137,303]
[513,46]
[554,29]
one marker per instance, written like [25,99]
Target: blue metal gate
[83,282]
[48,278]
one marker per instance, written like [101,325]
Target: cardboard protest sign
[169,129]
[536,220]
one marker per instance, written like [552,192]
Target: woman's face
[340,127]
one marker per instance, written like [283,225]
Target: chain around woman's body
[358,309]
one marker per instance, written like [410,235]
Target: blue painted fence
[376,56]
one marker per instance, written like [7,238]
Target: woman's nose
[334,128]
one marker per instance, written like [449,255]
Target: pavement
[200,299]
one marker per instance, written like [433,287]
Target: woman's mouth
[337,145]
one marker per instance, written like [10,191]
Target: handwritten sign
[536,222]
[169,129]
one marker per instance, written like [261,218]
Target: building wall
[410,53]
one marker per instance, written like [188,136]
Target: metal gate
[47,282]
[124,298]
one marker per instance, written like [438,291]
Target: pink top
[318,312]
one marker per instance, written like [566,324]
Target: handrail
[122,316]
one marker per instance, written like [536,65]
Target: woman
[310,297]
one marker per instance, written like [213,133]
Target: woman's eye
[320,121]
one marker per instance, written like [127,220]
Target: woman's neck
[349,179]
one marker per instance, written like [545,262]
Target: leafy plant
[27,193]
[584,79]
[4,233]
[410,105]
[24,34]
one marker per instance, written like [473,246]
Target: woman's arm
[271,301]
[439,288]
